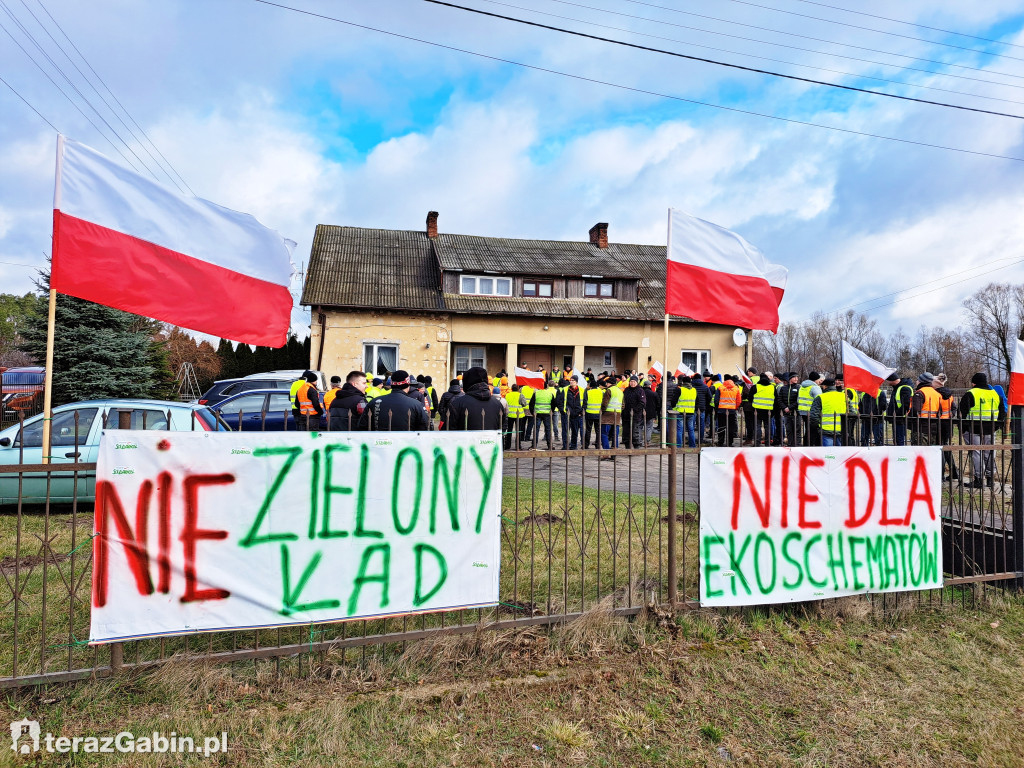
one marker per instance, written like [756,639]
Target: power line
[858,26]
[754,55]
[794,34]
[909,23]
[720,63]
[18,264]
[29,105]
[112,95]
[808,50]
[634,89]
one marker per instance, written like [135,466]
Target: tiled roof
[469,253]
[400,269]
[385,268]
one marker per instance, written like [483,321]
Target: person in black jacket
[669,389]
[573,404]
[396,412]
[348,405]
[454,390]
[979,428]
[700,404]
[653,411]
[478,408]
[634,414]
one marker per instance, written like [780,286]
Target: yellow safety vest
[833,408]
[542,400]
[614,400]
[515,405]
[764,397]
[294,391]
[852,400]
[687,402]
[527,392]
[804,401]
[595,396]
[986,405]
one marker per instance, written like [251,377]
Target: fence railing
[579,527]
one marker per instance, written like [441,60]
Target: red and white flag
[685,370]
[656,373]
[861,372]
[715,276]
[122,240]
[1015,396]
[743,375]
[534,378]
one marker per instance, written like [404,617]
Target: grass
[564,549]
[828,684]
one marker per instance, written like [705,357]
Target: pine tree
[226,352]
[262,360]
[243,360]
[99,352]
[304,361]
[297,357]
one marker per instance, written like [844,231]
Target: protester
[477,408]
[809,390]
[899,406]
[516,427]
[981,411]
[542,406]
[747,402]
[924,407]
[348,403]
[574,405]
[653,411]
[828,412]
[307,402]
[634,414]
[593,407]
[396,411]
[762,405]
[686,410]
[331,393]
[946,426]
[454,390]
[728,401]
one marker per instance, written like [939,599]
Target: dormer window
[485,286]
[596,290]
[537,288]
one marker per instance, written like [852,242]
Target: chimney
[599,234]
[432,224]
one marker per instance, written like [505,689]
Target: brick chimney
[432,224]
[599,234]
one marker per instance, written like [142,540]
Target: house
[436,304]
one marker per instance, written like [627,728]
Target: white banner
[201,531]
[782,525]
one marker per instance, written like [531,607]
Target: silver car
[76,438]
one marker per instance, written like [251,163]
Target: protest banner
[205,531]
[781,525]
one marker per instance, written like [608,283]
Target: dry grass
[815,685]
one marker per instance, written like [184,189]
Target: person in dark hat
[981,412]
[477,408]
[898,409]
[634,414]
[454,390]
[397,411]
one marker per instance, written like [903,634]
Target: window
[142,418]
[380,359]
[608,358]
[280,402]
[599,290]
[537,288]
[63,431]
[485,286]
[698,360]
[248,404]
[469,357]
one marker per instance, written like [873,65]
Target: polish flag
[534,378]
[656,373]
[743,375]
[685,370]
[715,276]
[861,372]
[1016,394]
[127,242]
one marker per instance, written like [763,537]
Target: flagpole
[664,373]
[51,320]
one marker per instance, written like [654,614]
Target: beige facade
[440,344]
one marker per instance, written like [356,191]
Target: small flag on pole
[1016,394]
[534,378]
[656,373]
[861,372]
[130,243]
[685,370]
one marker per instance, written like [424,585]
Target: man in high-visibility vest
[593,405]
[612,416]
[828,411]
[542,406]
[809,389]
[924,411]
[981,412]
[686,410]
[763,405]
[728,401]
[871,410]
[946,409]
[514,436]
[307,397]
[331,393]
[898,409]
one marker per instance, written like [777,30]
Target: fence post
[124,421]
[1017,499]
[672,590]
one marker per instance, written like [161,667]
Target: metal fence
[579,527]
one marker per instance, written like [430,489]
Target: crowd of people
[610,410]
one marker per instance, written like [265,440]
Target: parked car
[225,388]
[79,442]
[21,390]
[258,410]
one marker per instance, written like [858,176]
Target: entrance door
[534,357]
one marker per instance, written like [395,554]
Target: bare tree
[994,315]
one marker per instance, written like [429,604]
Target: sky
[302,120]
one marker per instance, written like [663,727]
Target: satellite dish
[739,337]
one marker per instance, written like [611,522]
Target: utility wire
[72,101]
[909,23]
[857,26]
[106,103]
[114,96]
[862,60]
[720,63]
[633,89]
[754,55]
[29,105]
[791,34]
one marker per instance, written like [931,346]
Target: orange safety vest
[305,402]
[945,407]
[730,397]
[931,404]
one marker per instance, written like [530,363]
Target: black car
[225,388]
